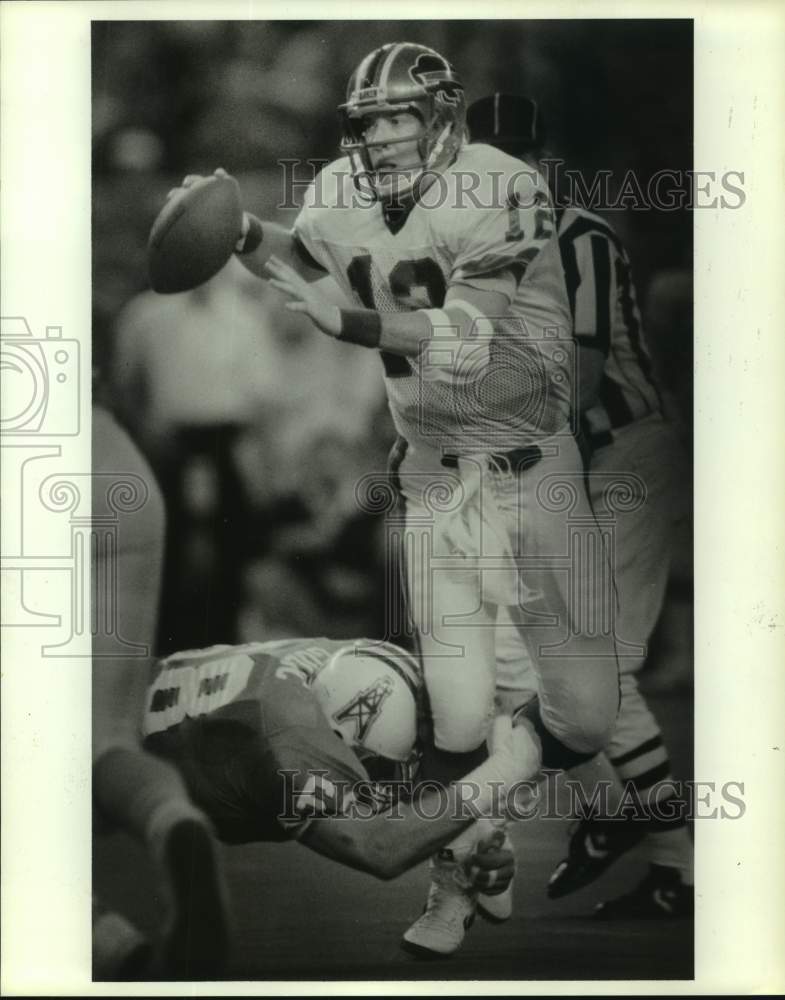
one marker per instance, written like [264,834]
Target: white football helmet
[369,693]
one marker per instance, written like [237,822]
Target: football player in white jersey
[632,443]
[449,253]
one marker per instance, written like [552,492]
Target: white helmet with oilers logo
[369,693]
[407,77]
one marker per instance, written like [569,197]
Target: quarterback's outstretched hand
[304,297]
[512,750]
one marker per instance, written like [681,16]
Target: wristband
[253,237]
[361,326]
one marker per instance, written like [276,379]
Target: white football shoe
[449,911]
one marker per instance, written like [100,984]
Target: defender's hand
[304,297]
[511,750]
[492,867]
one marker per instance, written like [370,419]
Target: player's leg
[120,951]
[554,658]
[458,669]
[454,625]
[460,689]
[566,605]
[132,790]
[636,749]
[516,684]
[455,633]
[657,814]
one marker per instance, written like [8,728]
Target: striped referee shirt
[606,318]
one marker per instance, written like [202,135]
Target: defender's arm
[389,843]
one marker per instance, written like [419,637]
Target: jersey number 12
[404,277]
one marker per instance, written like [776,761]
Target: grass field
[299,917]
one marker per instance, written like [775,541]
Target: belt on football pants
[517,460]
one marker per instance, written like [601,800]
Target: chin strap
[438,146]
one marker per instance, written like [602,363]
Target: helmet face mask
[395,79]
[385,771]
[386,183]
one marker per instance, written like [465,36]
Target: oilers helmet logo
[365,707]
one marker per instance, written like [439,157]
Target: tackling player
[621,411]
[308,739]
[448,251]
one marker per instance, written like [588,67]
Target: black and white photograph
[385,564]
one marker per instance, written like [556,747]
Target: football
[195,234]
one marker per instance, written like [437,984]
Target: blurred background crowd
[257,425]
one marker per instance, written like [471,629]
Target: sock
[672,848]
[667,840]
[140,794]
[555,754]
[445,766]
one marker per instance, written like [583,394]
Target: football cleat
[594,846]
[660,896]
[448,914]
[195,942]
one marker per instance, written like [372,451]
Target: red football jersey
[254,747]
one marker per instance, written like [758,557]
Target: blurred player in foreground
[623,421]
[464,297]
[314,739]
[132,790]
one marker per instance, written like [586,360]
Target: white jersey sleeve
[330,190]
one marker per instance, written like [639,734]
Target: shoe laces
[449,880]
[447,907]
